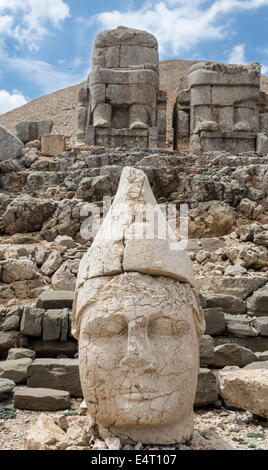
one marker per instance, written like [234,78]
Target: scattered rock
[6,388]
[45,435]
[261,325]
[113,443]
[18,270]
[215,321]
[258,303]
[209,440]
[26,214]
[232,355]
[248,389]
[20,353]
[59,374]
[207,390]
[228,303]
[15,370]
[239,325]
[52,263]
[206,349]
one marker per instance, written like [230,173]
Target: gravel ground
[238,428]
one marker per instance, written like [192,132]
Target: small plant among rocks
[70,413]
[7,413]
[256,435]
[240,440]
[235,429]
[252,446]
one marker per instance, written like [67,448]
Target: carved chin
[147,409]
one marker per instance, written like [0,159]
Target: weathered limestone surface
[45,435]
[71,433]
[248,389]
[122,105]
[58,374]
[10,146]
[32,131]
[15,370]
[53,145]
[138,324]
[222,104]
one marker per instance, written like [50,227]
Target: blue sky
[46,45]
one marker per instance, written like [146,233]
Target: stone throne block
[225,106]
[220,109]
[122,104]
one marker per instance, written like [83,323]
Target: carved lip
[140,395]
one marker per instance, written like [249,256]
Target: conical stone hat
[134,237]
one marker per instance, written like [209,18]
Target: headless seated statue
[123,90]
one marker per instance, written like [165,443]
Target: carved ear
[75,328]
[199,317]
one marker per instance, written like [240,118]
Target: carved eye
[160,327]
[167,327]
[112,327]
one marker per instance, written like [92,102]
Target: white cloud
[264,69]
[179,25]
[237,55]
[9,101]
[46,77]
[27,20]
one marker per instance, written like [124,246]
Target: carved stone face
[139,356]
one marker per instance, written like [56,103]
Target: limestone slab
[41,399]
[248,389]
[58,374]
[55,300]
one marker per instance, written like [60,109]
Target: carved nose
[137,362]
[139,352]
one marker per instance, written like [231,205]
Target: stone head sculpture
[138,320]
[123,90]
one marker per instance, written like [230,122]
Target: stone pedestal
[233,142]
[109,137]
